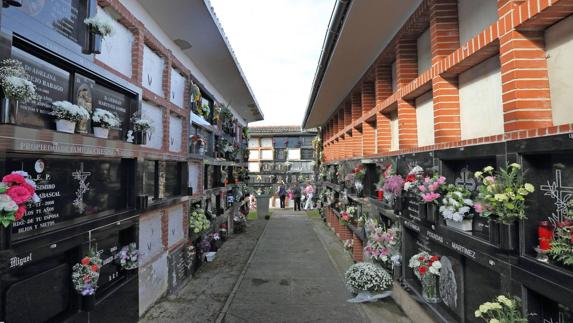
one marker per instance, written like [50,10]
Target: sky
[278,45]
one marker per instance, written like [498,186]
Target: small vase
[66,126]
[88,303]
[493,232]
[140,137]
[430,288]
[464,225]
[9,110]
[431,213]
[100,132]
[201,150]
[508,236]
[95,43]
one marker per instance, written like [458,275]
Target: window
[266,142]
[254,154]
[281,142]
[307,141]
[254,167]
[294,154]
[280,154]
[307,154]
[294,142]
[267,154]
[253,142]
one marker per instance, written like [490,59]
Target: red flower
[434,258]
[19,194]
[14,179]
[410,178]
[20,213]
[95,268]
[422,270]
[86,261]
[29,188]
[421,258]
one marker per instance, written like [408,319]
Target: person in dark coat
[282,194]
[297,194]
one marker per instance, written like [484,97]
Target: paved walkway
[291,278]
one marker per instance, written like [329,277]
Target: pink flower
[429,197]
[441,180]
[434,187]
[490,180]
[478,207]
[19,194]
[20,213]
[14,179]
[422,188]
[426,180]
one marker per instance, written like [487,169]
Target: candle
[380,195]
[545,235]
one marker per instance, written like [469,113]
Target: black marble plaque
[69,188]
[172,184]
[180,266]
[66,17]
[107,246]
[52,84]
[115,102]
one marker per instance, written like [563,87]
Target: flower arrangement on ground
[345,217]
[502,197]
[348,244]
[456,206]
[383,243]
[128,256]
[427,268]
[100,24]
[198,222]
[415,175]
[430,188]
[364,277]
[85,274]
[17,190]
[502,310]
[15,81]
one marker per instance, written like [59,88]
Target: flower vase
[140,137]
[359,187]
[508,236]
[9,110]
[431,213]
[430,288]
[88,302]
[201,150]
[100,132]
[66,126]
[95,43]
[464,225]
[493,232]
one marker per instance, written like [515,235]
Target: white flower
[105,119]
[100,24]
[65,110]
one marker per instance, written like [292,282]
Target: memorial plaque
[107,247]
[52,84]
[180,266]
[83,97]
[69,188]
[66,17]
[115,102]
[172,182]
[451,284]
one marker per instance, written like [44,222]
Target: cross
[81,177]
[561,194]
[466,180]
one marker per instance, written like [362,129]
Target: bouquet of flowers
[413,178]
[423,264]
[198,139]
[105,119]
[383,243]
[502,197]
[198,222]
[348,244]
[16,191]
[65,110]
[204,110]
[128,256]
[100,24]
[561,249]
[359,172]
[502,310]
[15,81]
[345,217]
[86,274]
[393,186]
[367,277]
[140,124]
[430,188]
[456,204]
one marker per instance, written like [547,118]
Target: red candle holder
[380,195]
[545,235]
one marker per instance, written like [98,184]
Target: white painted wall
[425,119]
[176,233]
[480,100]
[155,115]
[116,48]
[424,52]
[254,167]
[152,71]
[150,244]
[293,154]
[253,142]
[177,94]
[152,283]
[136,9]
[474,16]
[394,132]
[559,47]
[175,133]
[267,154]
[266,142]
[193,181]
[254,154]
[394,77]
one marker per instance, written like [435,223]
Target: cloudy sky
[278,44]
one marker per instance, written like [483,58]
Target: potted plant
[102,121]
[368,281]
[17,190]
[502,310]
[100,26]
[427,269]
[141,126]
[85,275]
[16,87]
[456,207]
[67,115]
[429,190]
[128,257]
[501,199]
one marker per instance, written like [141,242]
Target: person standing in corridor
[282,194]
[309,192]
[296,192]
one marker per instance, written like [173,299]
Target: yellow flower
[500,197]
[478,174]
[515,165]
[488,169]
[477,313]
[494,321]
[530,188]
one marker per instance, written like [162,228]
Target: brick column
[137,55]
[356,142]
[345,233]
[384,134]
[357,249]
[406,71]
[348,143]
[335,123]
[347,113]
[369,138]
[368,96]
[383,82]
[408,136]
[525,82]
[445,39]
